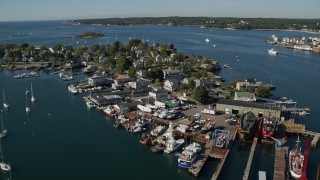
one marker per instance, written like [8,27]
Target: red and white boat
[296,159]
[109,111]
[269,125]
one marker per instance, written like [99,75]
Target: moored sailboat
[296,159]
[32,97]
[3,131]
[4,166]
[5,104]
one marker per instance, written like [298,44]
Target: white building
[244,96]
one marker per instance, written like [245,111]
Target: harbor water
[61,139]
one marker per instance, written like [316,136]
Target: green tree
[149,62]
[123,64]
[30,49]
[263,91]
[80,50]
[201,94]
[132,72]
[57,47]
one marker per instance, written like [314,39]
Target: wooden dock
[249,163]
[196,167]
[295,110]
[315,140]
[279,172]
[224,158]
[295,128]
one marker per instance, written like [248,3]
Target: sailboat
[3,131]
[27,107]
[5,104]
[4,166]
[32,97]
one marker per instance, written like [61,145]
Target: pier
[196,167]
[295,110]
[279,170]
[294,128]
[249,163]
[225,156]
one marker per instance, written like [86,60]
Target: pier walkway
[295,110]
[279,170]
[291,127]
[251,155]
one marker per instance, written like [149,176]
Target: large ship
[269,125]
[248,124]
[296,159]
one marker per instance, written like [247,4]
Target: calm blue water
[61,139]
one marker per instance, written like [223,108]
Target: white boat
[207,40]
[194,147]
[32,97]
[186,158]
[3,131]
[144,108]
[90,105]
[5,104]
[296,159]
[72,89]
[139,126]
[273,51]
[304,113]
[157,131]
[27,107]
[173,145]
[4,166]
[108,111]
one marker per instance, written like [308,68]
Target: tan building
[241,107]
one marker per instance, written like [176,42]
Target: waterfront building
[248,85]
[127,107]
[241,107]
[244,96]
[99,81]
[102,100]
[159,95]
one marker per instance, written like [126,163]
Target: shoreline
[288,30]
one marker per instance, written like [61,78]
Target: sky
[29,10]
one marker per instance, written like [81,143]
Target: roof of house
[245,94]
[248,104]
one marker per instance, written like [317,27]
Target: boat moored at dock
[296,159]
[186,158]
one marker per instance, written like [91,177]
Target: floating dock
[280,167]
[249,163]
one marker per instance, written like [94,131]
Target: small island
[89,35]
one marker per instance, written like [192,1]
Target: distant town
[301,43]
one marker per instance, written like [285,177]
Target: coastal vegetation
[89,35]
[136,59]
[213,22]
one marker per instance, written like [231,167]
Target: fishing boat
[273,51]
[4,166]
[32,97]
[186,158]
[5,104]
[296,159]
[221,138]
[173,144]
[269,126]
[72,89]
[248,123]
[3,131]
